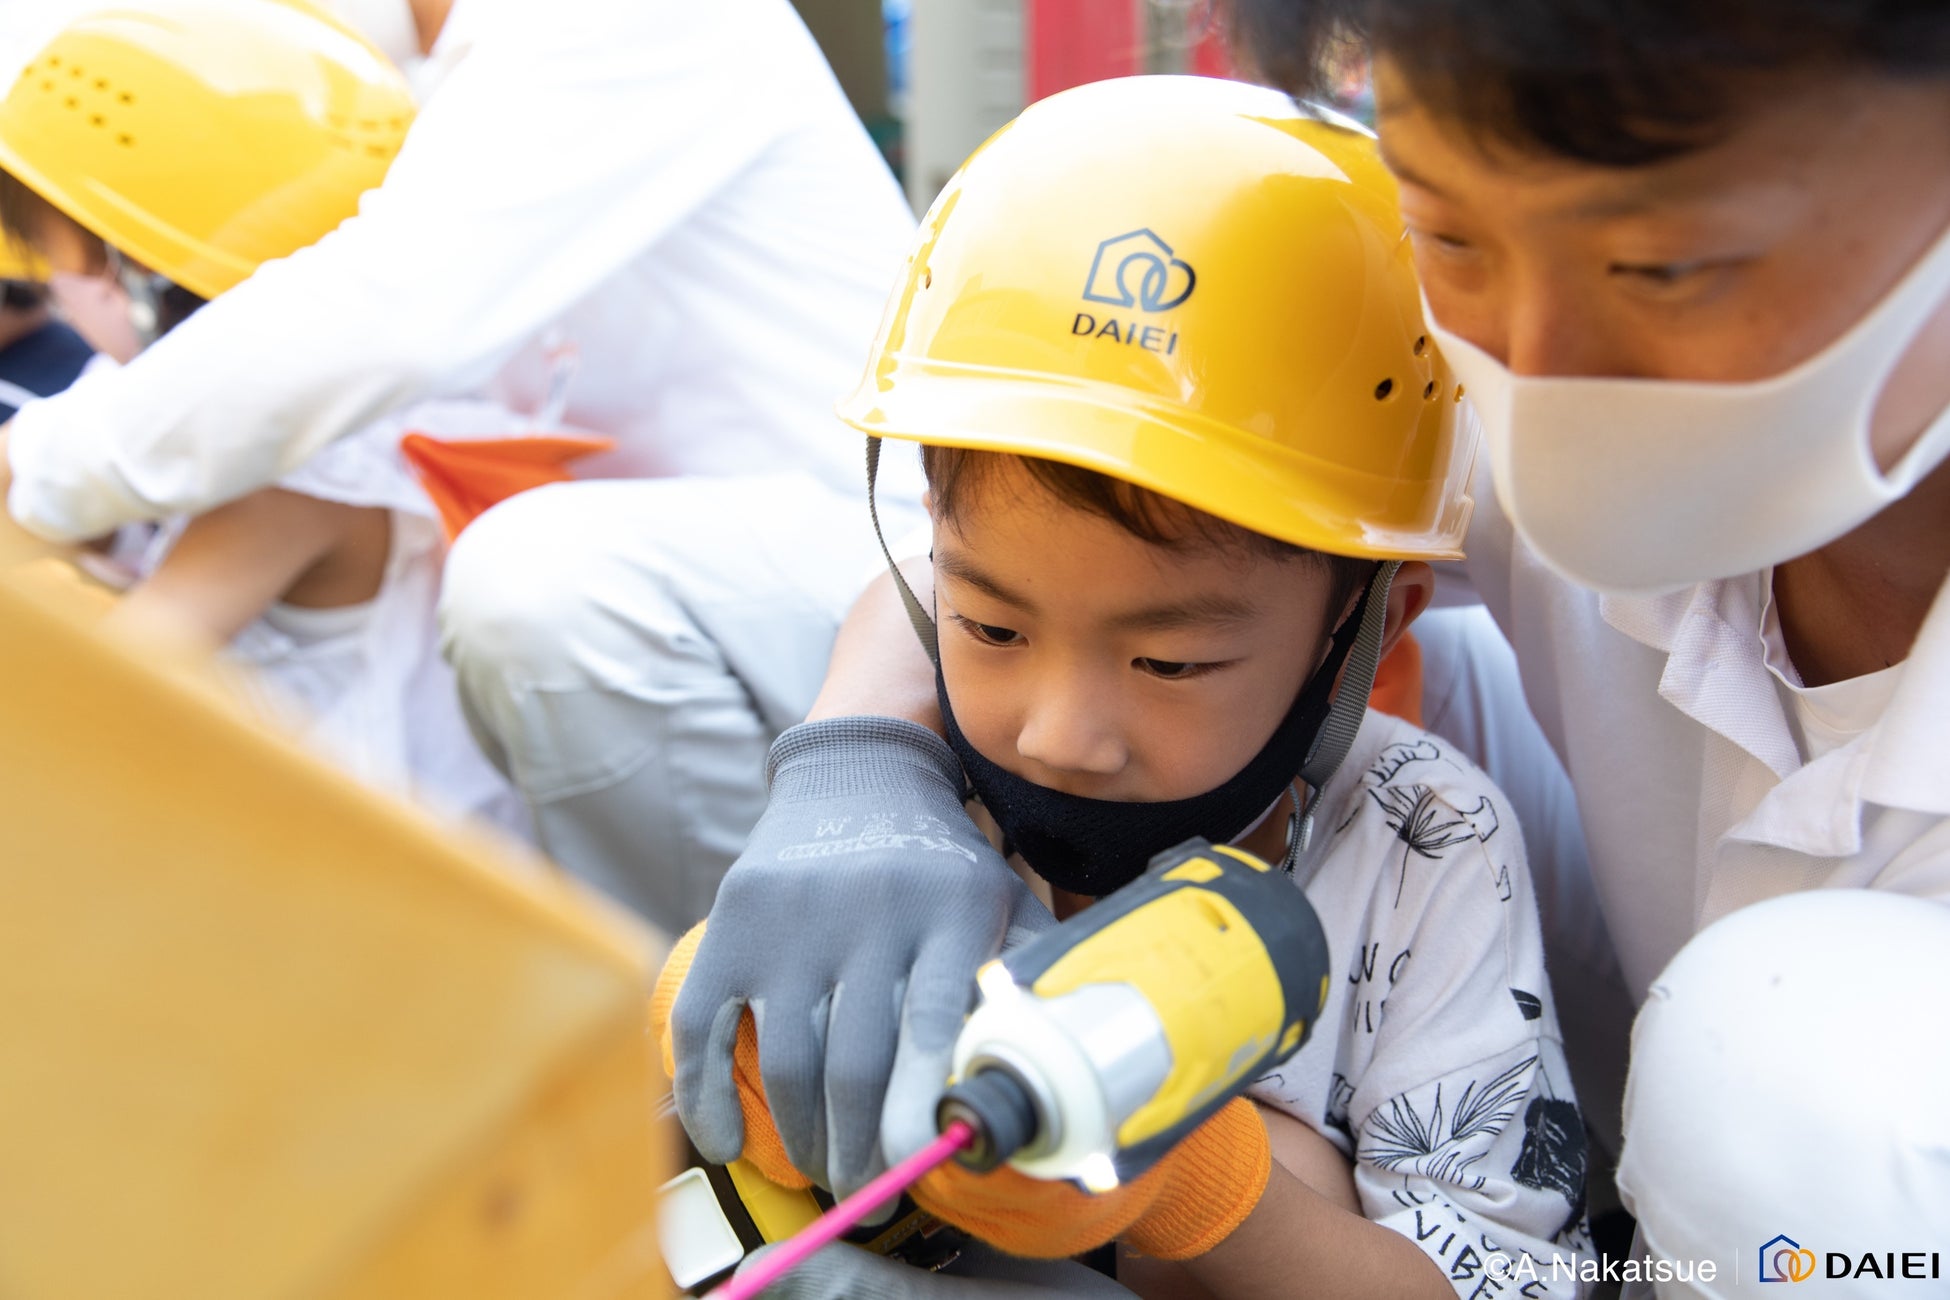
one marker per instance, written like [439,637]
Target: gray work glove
[852,926]
[843,1272]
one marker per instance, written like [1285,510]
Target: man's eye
[1437,242]
[1658,275]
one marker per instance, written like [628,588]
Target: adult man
[661,220]
[1731,217]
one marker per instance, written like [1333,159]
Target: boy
[328,582]
[1184,480]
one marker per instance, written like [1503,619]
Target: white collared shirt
[1691,781]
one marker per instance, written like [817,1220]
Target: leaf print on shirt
[1554,1155]
[1423,823]
[1403,1138]
[1390,762]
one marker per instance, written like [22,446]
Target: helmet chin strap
[1343,716]
[145,290]
[916,615]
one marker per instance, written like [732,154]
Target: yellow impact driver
[1102,1042]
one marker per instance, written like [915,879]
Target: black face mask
[1095,846]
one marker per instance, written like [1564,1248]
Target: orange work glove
[763,1146]
[1182,1206]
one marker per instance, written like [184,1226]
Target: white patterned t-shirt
[1437,1065]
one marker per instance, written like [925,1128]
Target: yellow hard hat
[19,262]
[205,137]
[1195,286]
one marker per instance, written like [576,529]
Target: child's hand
[762,1144]
[1183,1206]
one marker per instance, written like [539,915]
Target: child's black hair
[23,213]
[1612,82]
[954,472]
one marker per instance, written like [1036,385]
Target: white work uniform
[365,683]
[1436,1065]
[678,197]
[1708,781]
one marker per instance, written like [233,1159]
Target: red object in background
[1070,42]
[465,477]
[1212,56]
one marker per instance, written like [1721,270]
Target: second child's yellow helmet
[1195,286]
[205,137]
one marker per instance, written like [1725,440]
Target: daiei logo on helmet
[1135,270]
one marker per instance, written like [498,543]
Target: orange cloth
[1183,1206]
[466,476]
[1398,681]
[763,1146]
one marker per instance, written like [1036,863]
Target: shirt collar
[1716,666]
[1716,673]
[1908,765]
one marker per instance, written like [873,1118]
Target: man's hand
[852,928]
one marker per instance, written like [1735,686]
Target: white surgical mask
[1647,485]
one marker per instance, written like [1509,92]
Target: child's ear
[1412,592]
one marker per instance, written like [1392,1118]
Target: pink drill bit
[839,1220]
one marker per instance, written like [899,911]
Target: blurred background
[930,78]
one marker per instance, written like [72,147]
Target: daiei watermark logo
[1781,1258]
[1785,1260]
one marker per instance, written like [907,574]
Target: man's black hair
[1612,82]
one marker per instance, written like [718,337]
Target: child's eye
[988,632]
[1171,670]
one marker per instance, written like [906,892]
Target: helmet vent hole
[73,102]
[96,119]
[927,278]
[125,139]
[1428,390]
[1459,392]
[126,97]
[1382,389]
[1421,345]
